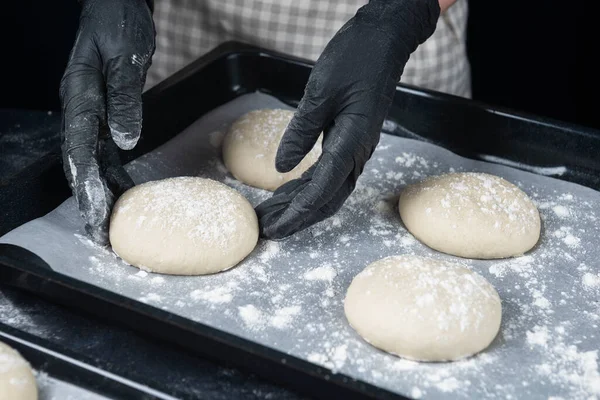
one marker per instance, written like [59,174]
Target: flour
[482,200]
[284,317]
[282,297]
[324,273]
[14,316]
[167,204]
[140,274]
[416,393]
[538,336]
[268,250]
[406,240]
[151,298]
[157,280]
[334,358]
[280,318]
[217,295]
[591,280]
[566,364]
[252,317]
[523,265]
[566,234]
[407,160]
[561,211]
[451,384]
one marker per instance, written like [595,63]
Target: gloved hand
[348,94]
[101,96]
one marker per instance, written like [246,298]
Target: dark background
[529,56]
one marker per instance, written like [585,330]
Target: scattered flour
[591,280]
[416,393]
[283,317]
[266,298]
[157,280]
[407,240]
[141,274]
[222,294]
[292,292]
[520,265]
[451,384]
[538,336]
[151,297]
[334,358]
[324,273]
[567,364]
[252,317]
[256,319]
[561,211]
[269,250]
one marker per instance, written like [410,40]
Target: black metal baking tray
[22,269]
[468,128]
[61,364]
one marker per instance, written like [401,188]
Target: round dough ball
[16,377]
[471,215]
[250,147]
[183,226]
[423,309]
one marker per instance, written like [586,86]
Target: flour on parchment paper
[295,288]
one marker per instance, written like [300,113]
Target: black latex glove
[348,95]
[101,95]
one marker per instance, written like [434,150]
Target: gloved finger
[275,205]
[336,163]
[83,109]
[117,179]
[332,177]
[124,83]
[312,116]
[298,207]
[281,222]
[330,173]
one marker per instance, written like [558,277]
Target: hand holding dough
[183,226]
[250,147]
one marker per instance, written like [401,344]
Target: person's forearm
[445,4]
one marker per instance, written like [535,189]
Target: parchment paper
[50,388]
[289,294]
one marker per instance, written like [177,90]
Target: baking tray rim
[69,367]
[19,271]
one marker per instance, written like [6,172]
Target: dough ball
[183,226]
[250,147]
[472,215]
[16,377]
[423,309]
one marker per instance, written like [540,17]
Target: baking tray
[237,70]
[61,375]
[23,269]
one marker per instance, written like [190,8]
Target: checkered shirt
[187,29]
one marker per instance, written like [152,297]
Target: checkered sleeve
[441,62]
